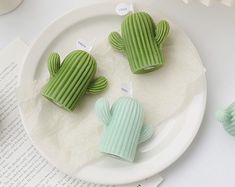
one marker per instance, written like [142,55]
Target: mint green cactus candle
[227,118]
[124,127]
[141,41]
[72,79]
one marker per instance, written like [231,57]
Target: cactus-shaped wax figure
[72,79]
[124,127]
[227,118]
[141,41]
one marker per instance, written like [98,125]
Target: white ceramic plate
[102,19]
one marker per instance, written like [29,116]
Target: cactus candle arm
[162,31]
[223,116]
[97,85]
[117,42]
[103,110]
[53,63]
[227,118]
[146,133]
[227,115]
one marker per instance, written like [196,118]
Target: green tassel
[141,40]
[70,83]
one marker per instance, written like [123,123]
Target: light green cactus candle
[72,79]
[124,127]
[141,41]
[227,118]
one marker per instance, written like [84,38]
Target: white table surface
[210,160]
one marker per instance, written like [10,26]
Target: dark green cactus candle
[141,41]
[72,79]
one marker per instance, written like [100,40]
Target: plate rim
[86,13]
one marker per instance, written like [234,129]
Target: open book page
[20,163]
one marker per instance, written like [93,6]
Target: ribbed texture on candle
[72,80]
[161,32]
[141,40]
[146,133]
[116,41]
[53,64]
[97,85]
[227,118]
[103,110]
[121,136]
